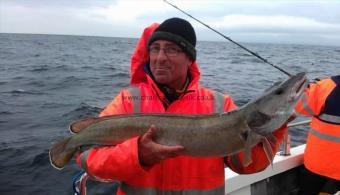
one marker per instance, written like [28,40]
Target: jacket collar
[192,86]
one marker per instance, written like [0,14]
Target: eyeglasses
[169,51]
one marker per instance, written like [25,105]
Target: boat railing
[287,139]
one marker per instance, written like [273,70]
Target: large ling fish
[201,135]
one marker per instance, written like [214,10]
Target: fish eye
[279,91]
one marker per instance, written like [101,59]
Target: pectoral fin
[267,147]
[266,141]
[247,160]
[271,139]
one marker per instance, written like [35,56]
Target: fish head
[271,110]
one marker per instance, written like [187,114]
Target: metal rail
[306,122]
[287,139]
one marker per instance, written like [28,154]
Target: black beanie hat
[179,31]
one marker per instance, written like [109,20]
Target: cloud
[273,24]
[125,11]
[127,18]
[63,16]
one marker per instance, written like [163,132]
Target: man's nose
[162,55]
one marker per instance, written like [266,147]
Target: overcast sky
[301,22]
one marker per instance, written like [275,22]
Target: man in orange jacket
[321,101]
[165,79]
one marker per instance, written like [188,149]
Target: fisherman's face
[169,64]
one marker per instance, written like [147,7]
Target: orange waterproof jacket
[322,101]
[183,174]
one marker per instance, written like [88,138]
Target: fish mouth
[299,87]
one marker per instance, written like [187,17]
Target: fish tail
[60,155]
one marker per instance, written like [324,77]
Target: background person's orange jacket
[321,101]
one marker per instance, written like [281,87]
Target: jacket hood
[140,58]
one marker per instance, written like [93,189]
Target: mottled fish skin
[201,135]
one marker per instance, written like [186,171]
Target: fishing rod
[229,39]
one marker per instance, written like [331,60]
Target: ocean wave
[244,55]
[110,68]
[61,67]
[67,81]
[326,61]
[41,159]
[3,82]
[240,60]
[11,151]
[40,68]
[241,102]
[208,53]
[237,61]
[118,75]
[19,77]
[38,42]
[50,105]
[70,79]
[82,111]
[8,153]
[222,58]
[88,68]
[255,60]
[6,113]
[24,92]
[18,92]
[37,83]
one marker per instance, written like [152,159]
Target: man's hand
[150,152]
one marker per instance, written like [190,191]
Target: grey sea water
[48,81]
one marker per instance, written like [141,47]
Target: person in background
[165,79]
[321,171]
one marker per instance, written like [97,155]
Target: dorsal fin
[78,126]
[277,83]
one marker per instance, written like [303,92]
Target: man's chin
[162,79]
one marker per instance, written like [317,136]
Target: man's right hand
[150,152]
